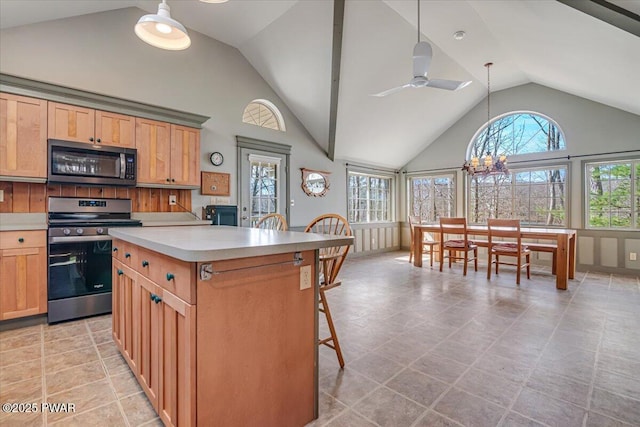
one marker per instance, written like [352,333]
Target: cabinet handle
[98,140]
[153,297]
[170,277]
[158,299]
[168,180]
[127,255]
[120,272]
[115,249]
[21,240]
[91,138]
[173,180]
[145,263]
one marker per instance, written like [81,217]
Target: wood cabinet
[80,124]
[155,329]
[167,154]
[23,136]
[23,265]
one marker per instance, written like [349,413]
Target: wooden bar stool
[331,260]
[272,221]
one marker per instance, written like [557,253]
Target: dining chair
[272,221]
[510,229]
[331,260]
[457,226]
[427,242]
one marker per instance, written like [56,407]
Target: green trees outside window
[613,199]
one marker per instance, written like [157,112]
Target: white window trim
[392,191]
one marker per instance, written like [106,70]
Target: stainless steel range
[79,274]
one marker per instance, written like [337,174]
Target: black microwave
[86,164]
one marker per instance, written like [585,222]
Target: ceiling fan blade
[421,59]
[447,84]
[390,91]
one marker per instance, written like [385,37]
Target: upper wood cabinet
[167,154]
[74,123]
[23,136]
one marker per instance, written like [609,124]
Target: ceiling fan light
[162,31]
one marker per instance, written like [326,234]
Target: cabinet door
[71,123]
[177,400]
[115,129]
[185,155]
[149,322]
[124,306]
[154,151]
[23,136]
[23,287]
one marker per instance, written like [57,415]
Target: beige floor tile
[548,410]
[103,416]
[137,409]
[616,406]
[347,385]
[125,384]
[115,364]
[60,361]
[350,419]
[417,386]
[22,419]
[19,341]
[24,391]
[20,372]
[11,333]
[493,388]
[433,419]
[73,377]
[65,331]
[85,398]
[67,344]
[468,409]
[389,409]
[20,355]
[99,323]
[103,337]
[107,349]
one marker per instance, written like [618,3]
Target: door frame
[244,143]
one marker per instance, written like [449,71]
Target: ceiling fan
[422,53]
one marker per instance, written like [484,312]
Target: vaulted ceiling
[289,42]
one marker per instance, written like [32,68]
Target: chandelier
[487,165]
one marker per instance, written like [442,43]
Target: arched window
[536,194]
[515,134]
[261,112]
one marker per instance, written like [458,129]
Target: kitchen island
[220,324]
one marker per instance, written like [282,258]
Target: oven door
[78,268]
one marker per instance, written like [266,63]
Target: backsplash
[22,197]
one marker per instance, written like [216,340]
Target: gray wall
[100,53]
[589,128]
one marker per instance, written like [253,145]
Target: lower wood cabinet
[23,266]
[156,334]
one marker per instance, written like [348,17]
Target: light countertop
[23,221]
[219,242]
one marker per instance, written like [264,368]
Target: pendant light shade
[162,31]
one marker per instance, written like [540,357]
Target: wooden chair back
[504,228]
[453,226]
[331,259]
[272,221]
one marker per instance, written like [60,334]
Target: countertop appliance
[221,214]
[79,250]
[80,163]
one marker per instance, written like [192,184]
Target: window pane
[369,198]
[432,197]
[610,200]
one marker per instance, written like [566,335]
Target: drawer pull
[155,298]
[170,277]
[145,263]
[120,272]
[158,299]
[127,255]
[21,240]
[115,249]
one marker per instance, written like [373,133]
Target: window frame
[272,108]
[529,168]
[391,199]
[441,174]
[635,180]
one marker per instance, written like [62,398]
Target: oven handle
[78,239]
[123,169]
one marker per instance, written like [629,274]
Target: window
[611,187]
[538,197]
[432,197]
[517,134]
[263,196]
[369,198]
[261,112]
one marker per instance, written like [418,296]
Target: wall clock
[216,158]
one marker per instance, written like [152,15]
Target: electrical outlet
[633,256]
[305,277]
[172,200]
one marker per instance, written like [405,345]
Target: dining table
[564,238]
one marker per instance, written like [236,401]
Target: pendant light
[162,31]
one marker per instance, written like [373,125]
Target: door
[71,123]
[185,160]
[125,309]
[149,322]
[263,185]
[23,289]
[115,129]
[153,142]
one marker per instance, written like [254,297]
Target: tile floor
[422,348]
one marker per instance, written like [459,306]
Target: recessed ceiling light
[459,35]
